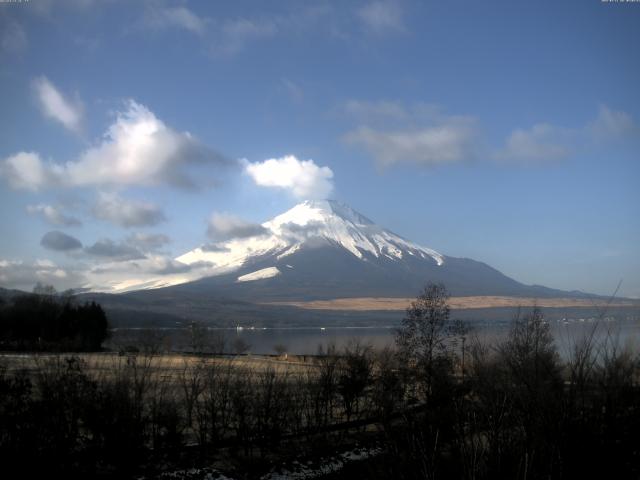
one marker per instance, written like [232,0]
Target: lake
[306,341]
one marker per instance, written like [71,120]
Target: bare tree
[324,384]
[240,346]
[214,412]
[150,341]
[191,380]
[198,337]
[45,290]
[422,339]
[535,386]
[217,341]
[388,388]
[281,350]
[242,408]
[530,352]
[354,376]
[458,333]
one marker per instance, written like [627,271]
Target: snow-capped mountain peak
[319,211]
[311,222]
[306,227]
[322,250]
[338,223]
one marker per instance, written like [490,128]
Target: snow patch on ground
[289,251]
[300,471]
[192,474]
[259,274]
[296,470]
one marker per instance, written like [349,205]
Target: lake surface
[306,341]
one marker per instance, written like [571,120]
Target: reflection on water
[306,341]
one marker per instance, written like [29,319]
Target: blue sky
[507,132]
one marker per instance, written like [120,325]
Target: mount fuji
[319,252]
[326,250]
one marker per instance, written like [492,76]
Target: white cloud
[227,36]
[53,215]
[222,37]
[419,133]
[107,248]
[541,143]
[13,39]
[24,276]
[295,92]
[127,213]
[150,272]
[176,17]
[44,262]
[232,36]
[422,134]
[223,227]
[450,142]
[54,105]
[303,178]
[148,241]
[25,170]
[167,266]
[137,149]
[382,110]
[382,16]
[611,124]
[214,247]
[49,7]
[547,143]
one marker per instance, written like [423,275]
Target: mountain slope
[315,251]
[325,249]
[309,224]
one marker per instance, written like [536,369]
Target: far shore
[456,303]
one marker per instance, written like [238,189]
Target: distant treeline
[439,405]
[48,321]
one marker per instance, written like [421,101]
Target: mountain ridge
[324,249]
[310,222]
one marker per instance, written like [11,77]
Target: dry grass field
[459,303]
[167,365]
